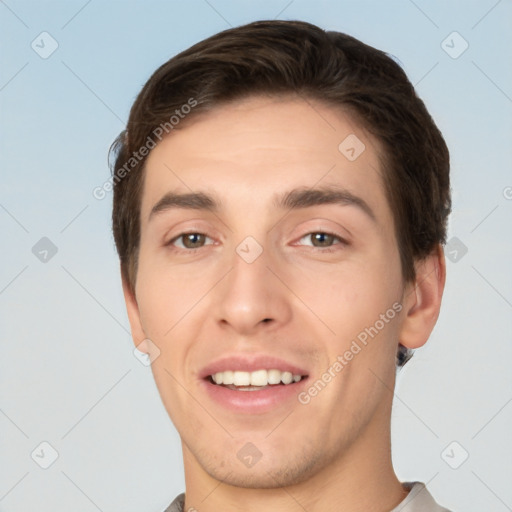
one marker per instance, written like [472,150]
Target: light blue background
[67,372]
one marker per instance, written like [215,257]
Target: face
[267,252]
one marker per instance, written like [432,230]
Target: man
[280,205]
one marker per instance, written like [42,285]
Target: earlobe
[422,300]
[132,310]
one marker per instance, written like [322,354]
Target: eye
[190,241]
[321,239]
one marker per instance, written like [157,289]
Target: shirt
[418,500]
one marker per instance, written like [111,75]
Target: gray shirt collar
[418,500]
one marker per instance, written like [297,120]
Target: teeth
[227,377]
[258,378]
[242,379]
[286,378]
[274,376]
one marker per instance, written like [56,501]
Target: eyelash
[322,249]
[181,235]
[331,248]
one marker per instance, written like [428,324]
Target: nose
[251,298]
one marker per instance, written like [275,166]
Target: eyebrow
[191,201]
[304,198]
[292,200]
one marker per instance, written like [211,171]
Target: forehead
[250,150]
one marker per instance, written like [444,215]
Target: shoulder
[177,505]
[419,499]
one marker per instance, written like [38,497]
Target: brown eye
[323,242]
[189,240]
[322,239]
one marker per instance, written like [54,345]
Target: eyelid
[328,226]
[342,240]
[330,248]
[189,232]
[185,225]
[319,224]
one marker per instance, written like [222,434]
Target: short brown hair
[298,58]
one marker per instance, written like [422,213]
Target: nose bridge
[250,295]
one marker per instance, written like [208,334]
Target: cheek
[350,293]
[166,294]
[348,301]
[155,306]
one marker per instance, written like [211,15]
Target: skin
[197,305]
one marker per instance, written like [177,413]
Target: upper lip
[250,363]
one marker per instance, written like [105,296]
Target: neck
[361,479]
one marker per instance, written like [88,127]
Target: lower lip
[252,402]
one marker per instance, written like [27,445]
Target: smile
[255,380]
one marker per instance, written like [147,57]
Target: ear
[422,299]
[132,309]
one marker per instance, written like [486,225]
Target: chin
[272,473]
[259,478]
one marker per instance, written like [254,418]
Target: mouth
[257,380]
[264,391]
[252,383]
